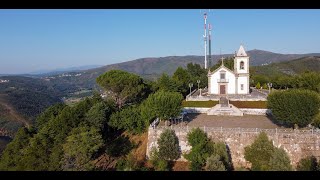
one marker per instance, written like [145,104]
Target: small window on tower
[241,65]
[241,86]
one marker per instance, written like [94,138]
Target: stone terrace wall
[298,144]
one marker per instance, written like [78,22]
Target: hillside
[22,99]
[152,68]
[310,63]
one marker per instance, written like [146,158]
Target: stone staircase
[224,109]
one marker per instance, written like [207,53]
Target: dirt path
[13,112]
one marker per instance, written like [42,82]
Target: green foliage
[264,86]
[163,104]
[258,78]
[130,119]
[182,78]
[166,83]
[11,157]
[49,113]
[129,163]
[201,149]
[308,80]
[80,146]
[250,104]
[98,115]
[259,153]
[169,145]
[196,72]
[157,161]
[209,103]
[214,164]
[126,87]
[228,62]
[220,149]
[307,164]
[120,146]
[316,121]
[258,86]
[280,161]
[294,106]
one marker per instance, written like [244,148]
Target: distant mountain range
[27,97]
[54,71]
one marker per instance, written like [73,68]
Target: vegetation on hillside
[294,106]
[265,157]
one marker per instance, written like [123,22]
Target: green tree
[157,161]
[130,119]
[228,62]
[220,149]
[164,104]
[166,83]
[48,114]
[294,106]
[79,148]
[182,78]
[258,86]
[307,164]
[98,115]
[259,152]
[264,86]
[214,163]
[11,157]
[308,80]
[125,87]
[169,145]
[201,149]
[280,161]
[196,72]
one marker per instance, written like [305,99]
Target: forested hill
[23,98]
[297,66]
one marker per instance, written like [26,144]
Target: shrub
[307,164]
[259,152]
[316,121]
[258,86]
[158,163]
[169,145]
[214,163]
[250,104]
[294,106]
[201,149]
[280,161]
[199,103]
[264,86]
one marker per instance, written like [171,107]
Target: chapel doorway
[222,89]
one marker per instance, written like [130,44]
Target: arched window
[241,65]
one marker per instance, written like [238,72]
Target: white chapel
[224,81]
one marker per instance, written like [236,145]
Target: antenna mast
[205,40]
[209,64]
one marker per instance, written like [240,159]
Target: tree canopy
[124,87]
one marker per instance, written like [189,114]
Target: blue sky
[32,40]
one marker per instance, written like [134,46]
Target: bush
[280,161]
[158,163]
[169,145]
[307,164]
[316,121]
[258,86]
[214,163]
[201,149]
[264,86]
[294,106]
[259,152]
[199,103]
[250,104]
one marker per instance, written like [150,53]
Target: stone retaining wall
[297,144]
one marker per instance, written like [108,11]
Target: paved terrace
[246,121]
[255,95]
